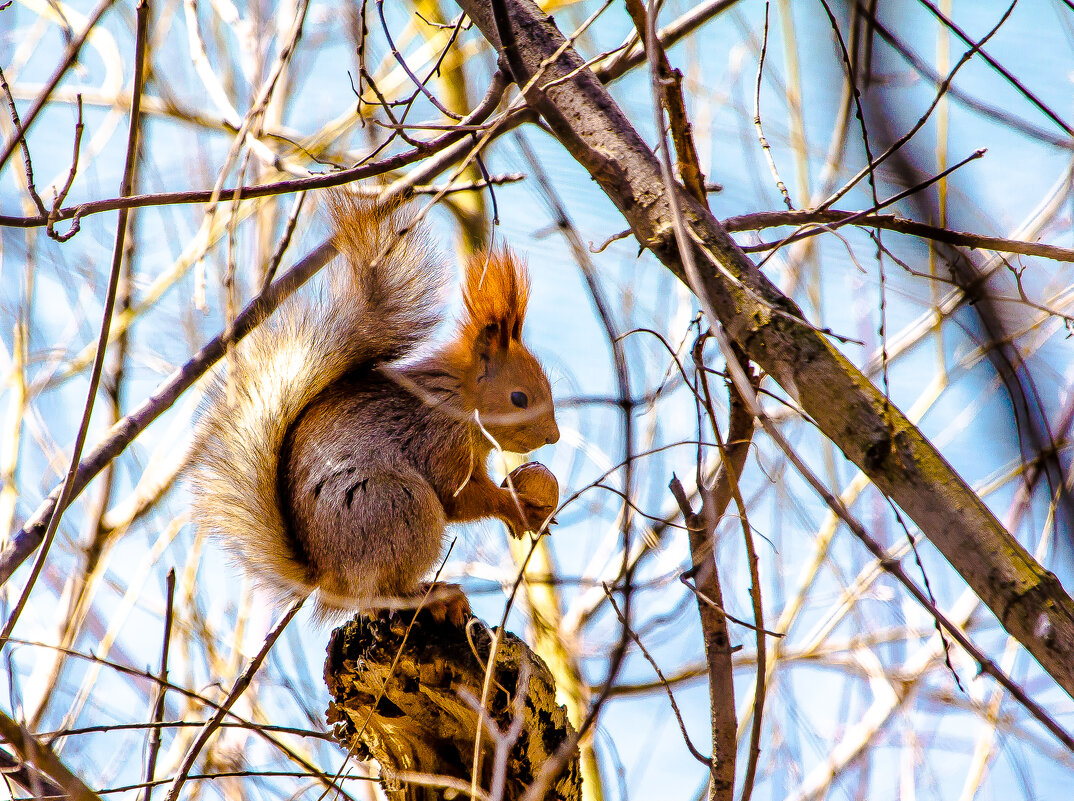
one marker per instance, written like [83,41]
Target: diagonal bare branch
[1028,600]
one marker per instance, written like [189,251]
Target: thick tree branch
[768,326]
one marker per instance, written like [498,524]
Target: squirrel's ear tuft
[495,292]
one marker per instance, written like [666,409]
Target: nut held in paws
[536,482]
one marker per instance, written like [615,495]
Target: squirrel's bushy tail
[383,302]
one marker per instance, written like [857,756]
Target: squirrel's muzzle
[552,435]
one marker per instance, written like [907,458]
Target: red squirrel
[333,459]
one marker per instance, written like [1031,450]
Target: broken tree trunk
[408,699]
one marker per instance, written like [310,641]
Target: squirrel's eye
[520,400]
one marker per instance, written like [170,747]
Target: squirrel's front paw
[535,497]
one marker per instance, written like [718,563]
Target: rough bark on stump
[422,724]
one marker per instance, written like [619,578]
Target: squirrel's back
[383,304]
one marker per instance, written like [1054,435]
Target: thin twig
[765,147]
[532,91]
[1011,79]
[860,215]
[30,536]
[1005,116]
[237,690]
[893,567]
[70,55]
[158,707]
[704,760]
[66,492]
[261,730]
[61,196]
[625,404]
[701,527]
[770,219]
[941,91]
[632,53]
[363,170]
[419,84]
[27,162]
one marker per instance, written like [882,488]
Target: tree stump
[424,720]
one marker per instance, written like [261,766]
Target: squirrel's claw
[448,603]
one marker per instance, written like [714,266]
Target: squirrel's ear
[495,293]
[489,339]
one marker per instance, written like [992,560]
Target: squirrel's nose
[553,435]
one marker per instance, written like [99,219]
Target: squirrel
[333,455]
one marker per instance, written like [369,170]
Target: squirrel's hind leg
[375,536]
